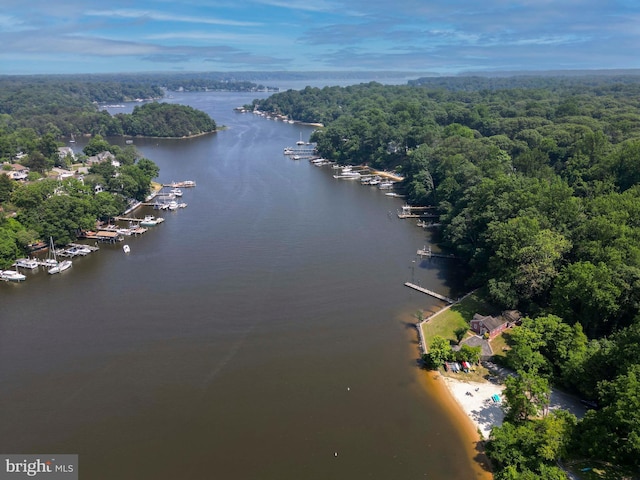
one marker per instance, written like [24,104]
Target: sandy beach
[475,399]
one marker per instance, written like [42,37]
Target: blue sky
[440,36]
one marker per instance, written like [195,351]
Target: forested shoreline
[37,115]
[535,181]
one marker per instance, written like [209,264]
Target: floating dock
[429,292]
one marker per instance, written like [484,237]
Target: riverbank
[436,386]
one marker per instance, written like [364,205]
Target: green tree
[526,396]
[98,144]
[613,432]
[439,352]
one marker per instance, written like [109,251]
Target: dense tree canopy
[536,182]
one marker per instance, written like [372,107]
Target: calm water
[252,335]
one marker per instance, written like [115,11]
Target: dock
[409,211]
[429,292]
[183,184]
[426,252]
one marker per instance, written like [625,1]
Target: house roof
[489,322]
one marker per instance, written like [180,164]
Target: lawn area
[459,315]
[500,343]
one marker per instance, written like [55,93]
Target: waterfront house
[101,157]
[15,171]
[493,326]
[64,152]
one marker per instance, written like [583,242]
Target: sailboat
[56,267]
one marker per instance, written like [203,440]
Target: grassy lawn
[459,315]
[500,344]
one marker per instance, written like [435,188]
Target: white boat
[151,221]
[385,185]
[61,267]
[12,276]
[126,248]
[73,251]
[55,266]
[348,175]
[176,191]
[27,263]
[172,205]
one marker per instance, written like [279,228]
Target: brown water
[260,333]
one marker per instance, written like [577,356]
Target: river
[263,332]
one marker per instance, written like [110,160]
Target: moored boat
[151,221]
[27,263]
[12,276]
[60,267]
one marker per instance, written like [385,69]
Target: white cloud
[166,17]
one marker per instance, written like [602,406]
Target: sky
[435,36]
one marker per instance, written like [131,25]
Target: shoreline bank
[435,386]
[450,394]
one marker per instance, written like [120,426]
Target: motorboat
[348,175]
[60,267]
[75,250]
[12,276]
[126,248]
[172,205]
[27,263]
[176,191]
[151,221]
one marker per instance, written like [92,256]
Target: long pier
[429,292]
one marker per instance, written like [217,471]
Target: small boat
[27,263]
[172,205]
[55,266]
[126,248]
[73,251]
[12,276]
[348,175]
[60,267]
[151,221]
[176,191]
